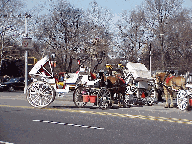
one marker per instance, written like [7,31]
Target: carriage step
[60,94]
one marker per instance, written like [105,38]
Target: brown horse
[117,86]
[170,83]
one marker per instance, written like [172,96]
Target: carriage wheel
[127,100]
[78,98]
[151,98]
[128,95]
[122,100]
[182,100]
[131,89]
[104,97]
[40,94]
[150,101]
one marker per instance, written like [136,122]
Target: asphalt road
[62,122]
[66,102]
[40,126]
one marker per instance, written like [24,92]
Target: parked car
[13,84]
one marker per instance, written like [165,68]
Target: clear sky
[116,6]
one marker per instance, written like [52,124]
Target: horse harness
[166,80]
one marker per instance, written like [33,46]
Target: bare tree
[96,35]
[132,33]
[59,31]
[158,13]
[9,21]
[178,41]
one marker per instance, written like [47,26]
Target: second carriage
[127,85]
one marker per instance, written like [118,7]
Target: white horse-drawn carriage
[184,96]
[172,85]
[134,86]
[126,86]
[140,85]
[46,85]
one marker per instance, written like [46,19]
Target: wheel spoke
[182,101]
[104,98]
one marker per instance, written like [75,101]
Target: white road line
[5,142]
[36,120]
[54,122]
[93,127]
[84,126]
[45,121]
[69,124]
[77,125]
[100,128]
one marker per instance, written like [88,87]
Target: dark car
[13,84]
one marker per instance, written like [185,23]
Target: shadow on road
[88,107]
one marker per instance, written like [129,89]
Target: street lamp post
[150,58]
[2,43]
[162,52]
[26,54]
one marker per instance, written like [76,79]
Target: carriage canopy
[139,71]
[40,68]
